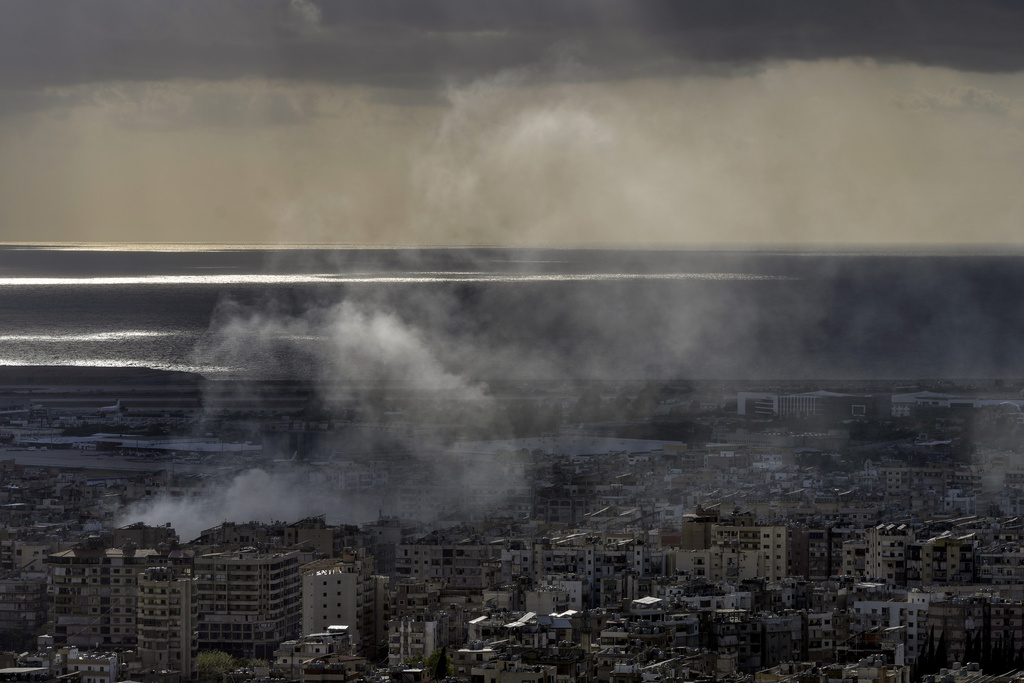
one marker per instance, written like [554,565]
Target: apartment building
[886,552]
[167,619]
[249,602]
[339,592]
[941,561]
[466,566]
[23,602]
[419,634]
[93,667]
[94,594]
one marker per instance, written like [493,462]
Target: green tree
[432,663]
[440,667]
[414,662]
[926,663]
[970,647]
[941,652]
[251,663]
[213,664]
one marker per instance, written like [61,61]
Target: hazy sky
[512,121]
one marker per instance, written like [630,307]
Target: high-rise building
[249,602]
[339,592]
[94,593]
[22,602]
[167,620]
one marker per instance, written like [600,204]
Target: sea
[449,317]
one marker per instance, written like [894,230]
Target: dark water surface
[514,313]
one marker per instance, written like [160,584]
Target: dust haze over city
[593,341]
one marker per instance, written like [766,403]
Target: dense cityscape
[511,341]
[589,531]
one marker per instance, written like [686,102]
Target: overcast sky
[512,122]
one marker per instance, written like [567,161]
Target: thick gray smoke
[360,350]
[346,342]
[251,495]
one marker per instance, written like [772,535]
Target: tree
[926,663]
[941,652]
[440,667]
[251,663]
[435,660]
[969,655]
[213,664]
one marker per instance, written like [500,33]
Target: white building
[293,654]
[339,592]
[94,667]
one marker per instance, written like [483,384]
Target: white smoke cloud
[347,341]
[252,495]
[356,346]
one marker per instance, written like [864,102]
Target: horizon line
[807,248]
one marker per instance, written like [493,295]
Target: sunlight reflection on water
[327,278]
[121,335]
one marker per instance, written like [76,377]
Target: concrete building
[167,620]
[339,592]
[335,669]
[292,655]
[942,560]
[94,593]
[821,637]
[1001,564]
[886,553]
[825,403]
[93,667]
[23,602]
[733,550]
[315,533]
[418,635]
[506,671]
[767,545]
[249,602]
[463,565]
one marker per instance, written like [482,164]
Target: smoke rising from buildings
[252,495]
[659,124]
[346,341]
[355,354]
[579,315]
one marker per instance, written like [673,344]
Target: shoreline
[35,376]
[82,374]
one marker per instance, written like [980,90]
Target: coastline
[80,374]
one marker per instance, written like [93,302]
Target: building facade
[249,602]
[167,620]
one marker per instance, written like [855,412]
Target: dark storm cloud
[424,42]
